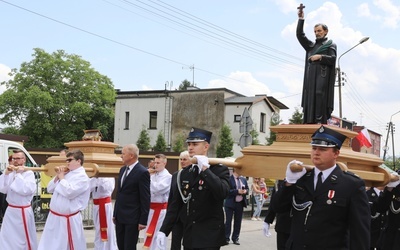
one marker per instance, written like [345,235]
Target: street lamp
[340,75]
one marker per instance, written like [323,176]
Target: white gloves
[266,229]
[393,184]
[292,177]
[160,240]
[202,161]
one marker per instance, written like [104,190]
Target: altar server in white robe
[71,191]
[160,184]
[102,189]
[18,231]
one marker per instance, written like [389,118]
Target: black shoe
[236,242]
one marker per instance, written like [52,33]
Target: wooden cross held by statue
[300,8]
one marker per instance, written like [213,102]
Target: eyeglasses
[69,159]
[17,158]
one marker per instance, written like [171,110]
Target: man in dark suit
[132,203]
[200,191]
[329,206]
[234,204]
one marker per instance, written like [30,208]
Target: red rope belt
[70,241]
[102,216]
[157,207]
[24,220]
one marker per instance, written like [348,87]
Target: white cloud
[391,12]
[390,16]
[363,10]
[287,6]
[146,87]
[241,82]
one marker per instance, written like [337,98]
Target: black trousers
[236,213]
[127,236]
[281,239]
[177,235]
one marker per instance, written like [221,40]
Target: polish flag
[364,139]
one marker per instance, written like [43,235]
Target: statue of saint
[319,73]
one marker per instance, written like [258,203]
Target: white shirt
[325,174]
[160,184]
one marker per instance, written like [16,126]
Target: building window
[126,120]
[262,122]
[237,118]
[153,120]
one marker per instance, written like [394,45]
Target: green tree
[254,136]
[275,120]
[143,141]
[393,165]
[179,145]
[225,144]
[297,117]
[185,84]
[54,97]
[161,144]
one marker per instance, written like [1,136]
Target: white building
[175,112]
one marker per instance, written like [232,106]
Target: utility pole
[390,129]
[191,67]
[385,148]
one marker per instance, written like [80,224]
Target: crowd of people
[199,202]
[188,203]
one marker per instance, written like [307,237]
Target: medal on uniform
[200,184]
[185,185]
[331,194]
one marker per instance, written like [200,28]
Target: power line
[115,41]
[179,11]
[177,20]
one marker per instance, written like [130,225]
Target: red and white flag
[364,139]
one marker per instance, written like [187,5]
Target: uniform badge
[201,182]
[331,194]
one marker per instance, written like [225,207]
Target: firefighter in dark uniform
[389,202]
[329,206]
[378,220]
[283,221]
[200,192]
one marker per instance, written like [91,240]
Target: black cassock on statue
[319,78]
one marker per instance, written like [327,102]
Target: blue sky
[248,46]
